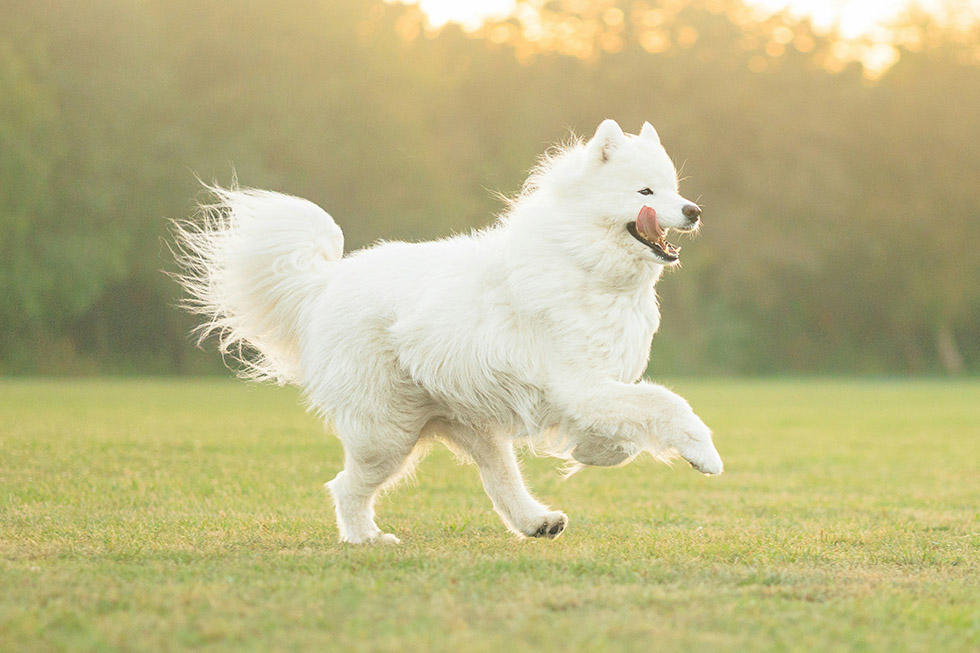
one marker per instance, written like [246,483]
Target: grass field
[149,515]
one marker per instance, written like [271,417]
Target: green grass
[148,515]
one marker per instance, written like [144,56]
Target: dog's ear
[649,133]
[608,137]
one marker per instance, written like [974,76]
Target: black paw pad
[550,530]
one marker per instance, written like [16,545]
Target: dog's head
[633,190]
[613,199]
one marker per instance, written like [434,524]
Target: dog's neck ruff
[575,248]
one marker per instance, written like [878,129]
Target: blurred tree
[31,255]
[841,213]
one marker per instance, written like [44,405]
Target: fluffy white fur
[539,327]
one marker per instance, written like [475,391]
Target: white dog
[539,326]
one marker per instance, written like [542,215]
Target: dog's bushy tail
[253,262]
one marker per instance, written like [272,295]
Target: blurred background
[835,147]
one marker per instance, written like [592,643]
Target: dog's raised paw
[551,526]
[707,461]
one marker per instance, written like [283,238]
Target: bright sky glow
[468,13]
[870,31]
[854,18]
[870,18]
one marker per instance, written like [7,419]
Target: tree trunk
[949,352]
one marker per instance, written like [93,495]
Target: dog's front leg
[613,422]
[494,455]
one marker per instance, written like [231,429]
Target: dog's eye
[645,191]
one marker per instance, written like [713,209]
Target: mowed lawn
[173,514]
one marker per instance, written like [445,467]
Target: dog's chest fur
[614,333]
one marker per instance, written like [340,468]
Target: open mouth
[647,230]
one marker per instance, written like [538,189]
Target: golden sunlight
[867,31]
[871,19]
[852,19]
[470,14]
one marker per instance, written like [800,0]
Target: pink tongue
[646,223]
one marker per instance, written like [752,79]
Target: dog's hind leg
[373,459]
[501,476]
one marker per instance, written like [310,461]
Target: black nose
[692,212]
